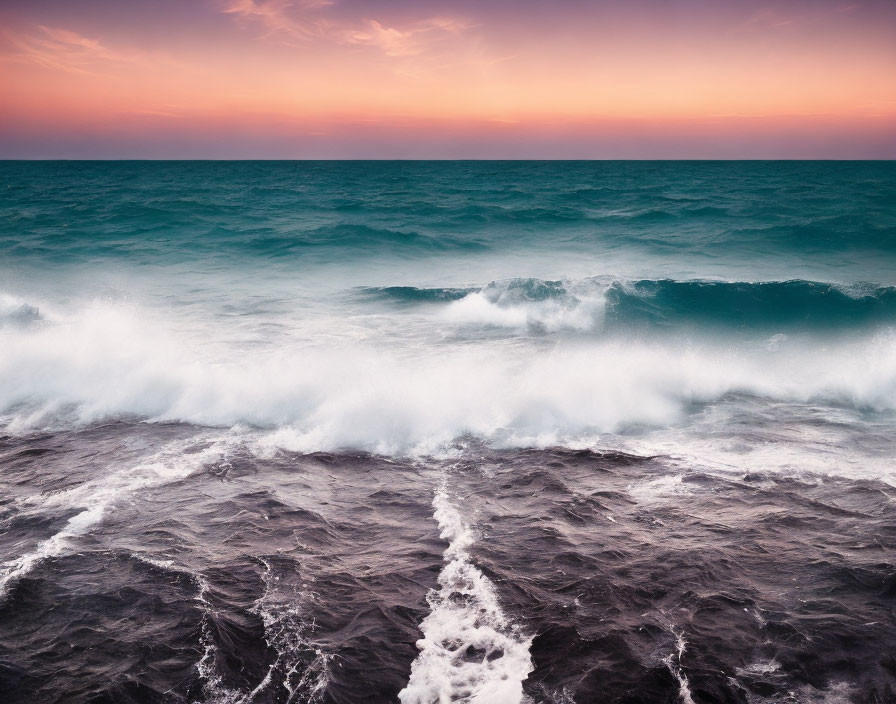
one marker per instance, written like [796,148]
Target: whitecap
[471,652]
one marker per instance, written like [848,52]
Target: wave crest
[601,304]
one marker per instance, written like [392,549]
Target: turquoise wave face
[776,305]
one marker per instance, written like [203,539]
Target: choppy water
[448,432]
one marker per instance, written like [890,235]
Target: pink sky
[487,79]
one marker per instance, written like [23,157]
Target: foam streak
[470,651]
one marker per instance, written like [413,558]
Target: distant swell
[351,238]
[413,294]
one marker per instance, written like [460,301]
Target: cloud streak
[302,20]
[773,17]
[411,41]
[274,16]
[63,50]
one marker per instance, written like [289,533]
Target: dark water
[448,432]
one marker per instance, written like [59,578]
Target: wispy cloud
[302,19]
[275,17]
[774,17]
[63,50]
[410,41]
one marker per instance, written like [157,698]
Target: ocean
[431,432]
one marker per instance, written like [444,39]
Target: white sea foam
[15,310]
[581,309]
[398,394]
[51,547]
[213,687]
[673,662]
[96,497]
[470,651]
[764,667]
[300,667]
[651,490]
[845,450]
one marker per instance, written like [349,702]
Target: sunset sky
[449,78]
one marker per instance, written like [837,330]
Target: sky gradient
[450,79]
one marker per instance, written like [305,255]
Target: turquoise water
[401,306]
[705,216]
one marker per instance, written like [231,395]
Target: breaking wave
[110,360]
